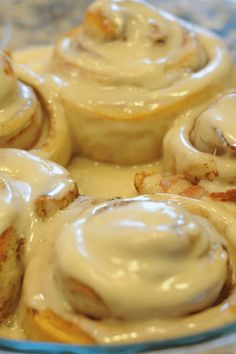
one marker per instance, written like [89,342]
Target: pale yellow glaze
[176,271]
[104,180]
[102,72]
[12,328]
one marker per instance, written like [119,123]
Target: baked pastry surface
[32,117]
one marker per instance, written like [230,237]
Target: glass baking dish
[26,23]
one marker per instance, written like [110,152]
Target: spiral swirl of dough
[31,117]
[157,50]
[131,270]
[127,72]
[145,259]
[203,146]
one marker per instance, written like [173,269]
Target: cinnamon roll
[31,190]
[127,72]
[202,147]
[11,248]
[130,270]
[31,116]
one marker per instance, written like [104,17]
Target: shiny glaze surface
[154,263]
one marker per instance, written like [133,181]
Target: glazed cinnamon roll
[130,270]
[202,147]
[49,184]
[127,72]
[31,117]
[31,190]
[11,248]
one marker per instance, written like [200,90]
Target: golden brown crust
[148,183]
[47,205]
[139,180]
[98,25]
[11,272]
[194,191]
[84,299]
[228,196]
[46,325]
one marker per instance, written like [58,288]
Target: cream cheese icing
[139,284]
[144,259]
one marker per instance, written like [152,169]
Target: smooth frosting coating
[130,49]
[141,257]
[9,203]
[145,259]
[127,72]
[158,50]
